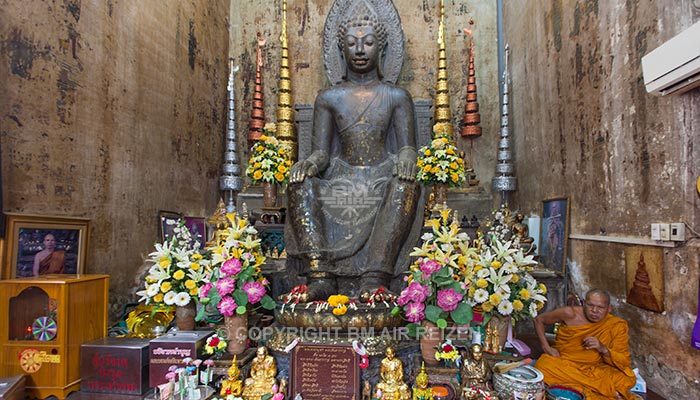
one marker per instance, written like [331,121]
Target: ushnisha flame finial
[286,132]
[443,116]
[257,115]
[230,181]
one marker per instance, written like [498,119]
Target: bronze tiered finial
[443,116]
[257,116]
[472,118]
[286,132]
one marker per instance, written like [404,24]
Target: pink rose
[227,306]
[204,290]
[225,286]
[417,292]
[448,299]
[255,291]
[429,267]
[414,312]
[232,266]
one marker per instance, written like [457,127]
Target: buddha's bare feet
[320,287]
[370,282]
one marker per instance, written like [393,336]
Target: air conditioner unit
[674,67]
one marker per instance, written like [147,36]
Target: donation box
[171,349]
[114,365]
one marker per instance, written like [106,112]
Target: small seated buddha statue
[392,386]
[232,385]
[421,391]
[262,375]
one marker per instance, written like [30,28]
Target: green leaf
[433,313]
[441,323]
[200,314]
[266,396]
[267,303]
[462,314]
[412,329]
[241,297]
[442,281]
[396,310]
[240,310]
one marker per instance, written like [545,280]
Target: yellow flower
[495,299]
[197,256]
[496,264]
[427,152]
[263,138]
[435,169]
[419,163]
[482,283]
[472,290]
[454,177]
[524,294]
[270,126]
[288,163]
[280,151]
[190,284]
[279,177]
[444,139]
[179,274]
[341,310]
[164,262]
[450,150]
[165,287]
[282,169]
[540,305]
[194,266]
[515,278]
[478,268]
[454,165]
[543,288]
[158,298]
[487,307]
[257,165]
[260,147]
[517,305]
[426,169]
[257,175]
[194,291]
[338,300]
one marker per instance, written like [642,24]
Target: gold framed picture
[41,245]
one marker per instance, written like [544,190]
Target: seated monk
[391,386]
[262,375]
[49,260]
[591,350]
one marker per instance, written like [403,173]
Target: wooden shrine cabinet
[44,321]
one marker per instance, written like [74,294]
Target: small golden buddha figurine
[392,386]
[475,373]
[232,385]
[521,231]
[421,391]
[262,375]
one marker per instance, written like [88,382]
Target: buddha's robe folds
[587,370]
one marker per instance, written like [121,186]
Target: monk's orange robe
[596,376]
[54,263]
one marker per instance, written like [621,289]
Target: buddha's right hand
[301,170]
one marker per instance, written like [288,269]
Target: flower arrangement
[338,302]
[435,290]
[236,281]
[269,159]
[178,270]
[499,280]
[440,163]
[448,352]
[216,345]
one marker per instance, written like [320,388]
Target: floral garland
[269,159]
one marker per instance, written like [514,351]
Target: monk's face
[361,49]
[49,242]
[596,307]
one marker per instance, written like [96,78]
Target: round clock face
[28,362]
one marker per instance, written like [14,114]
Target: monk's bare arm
[561,314]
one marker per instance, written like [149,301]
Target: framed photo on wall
[198,229]
[167,221]
[554,233]
[43,245]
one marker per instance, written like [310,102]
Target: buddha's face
[361,49]
[389,353]
[476,353]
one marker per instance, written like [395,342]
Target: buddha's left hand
[405,169]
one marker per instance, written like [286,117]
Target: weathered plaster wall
[585,128]
[420,21]
[112,111]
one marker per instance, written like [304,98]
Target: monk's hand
[592,343]
[406,167]
[551,351]
[301,170]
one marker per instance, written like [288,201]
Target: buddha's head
[261,352]
[476,351]
[389,353]
[362,39]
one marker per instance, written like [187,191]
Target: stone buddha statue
[392,386]
[232,385]
[262,375]
[353,200]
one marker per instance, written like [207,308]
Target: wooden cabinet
[44,321]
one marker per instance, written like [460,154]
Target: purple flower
[430,266]
[414,312]
[255,291]
[448,299]
[403,299]
[232,266]
[225,286]
[204,290]
[227,306]
[417,292]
